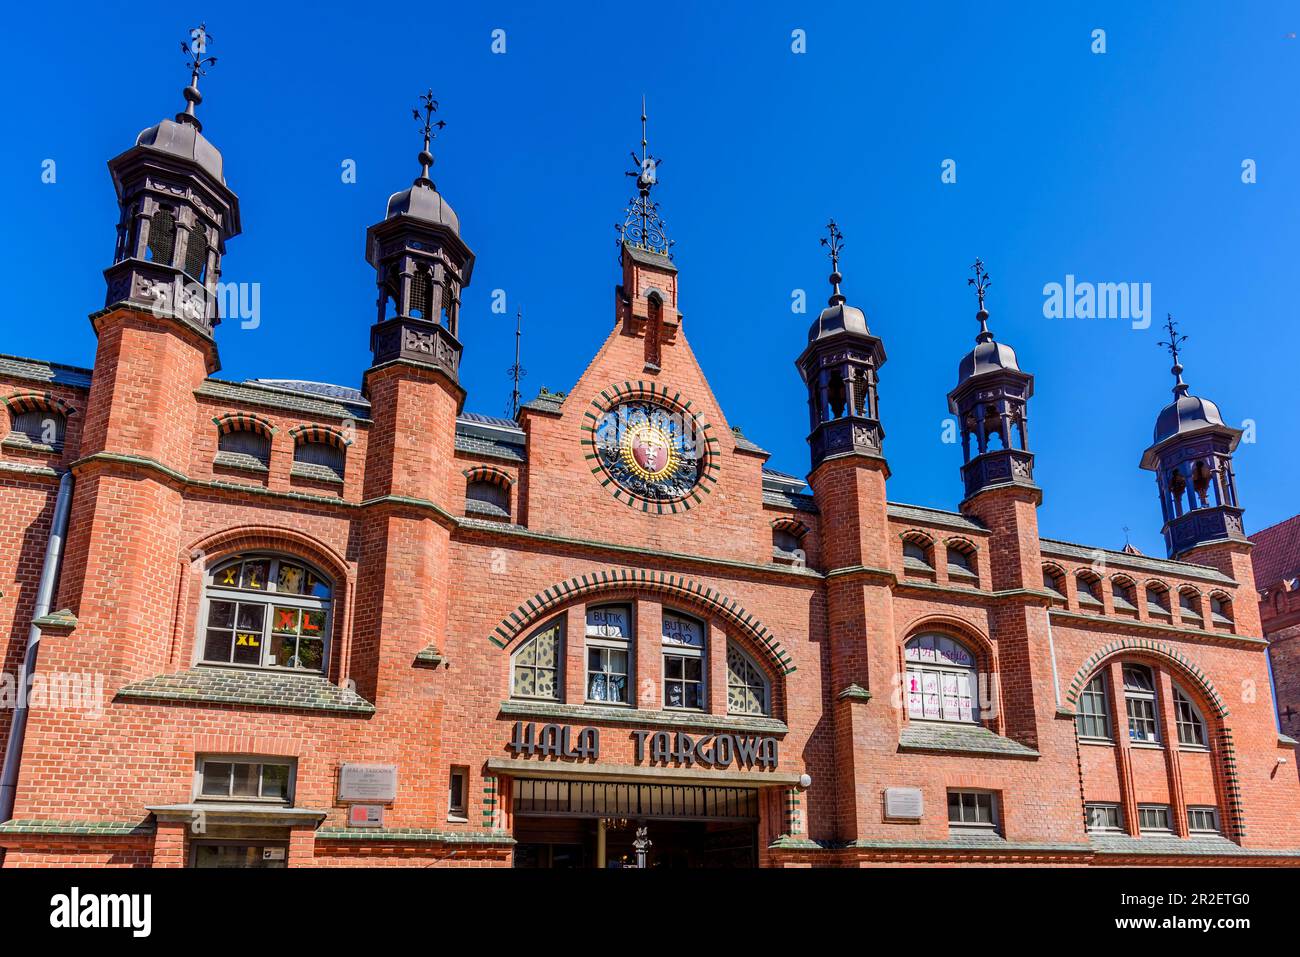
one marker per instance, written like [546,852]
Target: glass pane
[251,616]
[290,579]
[282,651]
[275,781]
[216,778]
[618,688]
[546,683]
[984,809]
[254,575]
[598,688]
[243,780]
[248,647]
[228,577]
[954,806]
[608,622]
[527,655]
[682,631]
[547,644]
[285,621]
[616,661]
[311,654]
[673,696]
[221,614]
[672,666]
[313,623]
[524,683]
[217,647]
[694,696]
[692,667]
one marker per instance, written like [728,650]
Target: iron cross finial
[642,226]
[430,130]
[196,50]
[1173,343]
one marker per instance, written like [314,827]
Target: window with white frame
[267,611]
[976,810]
[609,643]
[1104,817]
[1153,817]
[535,666]
[225,778]
[941,684]
[1140,703]
[1203,820]
[1094,711]
[683,640]
[1191,726]
[747,688]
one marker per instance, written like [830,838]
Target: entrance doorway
[579,824]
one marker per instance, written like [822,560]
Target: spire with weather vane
[834,243]
[1173,344]
[643,227]
[195,50]
[981,282]
[516,371]
[429,127]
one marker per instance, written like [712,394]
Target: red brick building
[290,623]
[1277,577]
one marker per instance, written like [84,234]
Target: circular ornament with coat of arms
[651,452]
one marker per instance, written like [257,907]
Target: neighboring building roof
[491,436]
[936,516]
[1277,553]
[40,371]
[283,395]
[341,392]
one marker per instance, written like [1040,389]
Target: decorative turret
[990,401]
[176,213]
[421,265]
[1191,454]
[840,366]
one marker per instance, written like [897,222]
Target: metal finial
[1172,344]
[195,50]
[642,226]
[981,282]
[516,371]
[834,243]
[429,128]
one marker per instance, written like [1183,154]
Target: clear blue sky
[1124,166]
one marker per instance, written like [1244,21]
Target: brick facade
[432,595]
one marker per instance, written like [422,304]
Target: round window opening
[653,452]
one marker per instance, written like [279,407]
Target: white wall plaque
[368,782]
[904,804]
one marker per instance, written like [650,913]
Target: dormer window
[1089,591]
[1123,595]
[917,554]
[243,442]
[961,562]
[1157,600]
[1189,606]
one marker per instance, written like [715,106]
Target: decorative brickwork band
[487,473]
[320,433]
[21,402]
[1151,649]
[1235,818]
[640,580]
[490,804]
[243,422]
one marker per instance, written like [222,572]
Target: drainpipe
[49,574]
[1051,647]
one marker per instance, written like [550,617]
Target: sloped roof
[1277,552]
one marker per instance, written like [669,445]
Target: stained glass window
[267,612]
[747,691]
[537,665]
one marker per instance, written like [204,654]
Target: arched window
[609,645]
[1089,590]
[1189,605]
[747,687]
[940,679]
[1221,609]
[535,667]
[39,427]
[267,611]
[1140,704]
[1191,726]
[916,553]
[785,546]
[196,252]
[421,294]
[162,237]
[487,498]
[1123,594]
[683,641]
[1094,710]
[243,442]
[319,459]
[961,560]
[1054,582]
[1157,599]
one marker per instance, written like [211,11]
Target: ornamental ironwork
[651,451]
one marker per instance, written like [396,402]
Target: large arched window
[1094,710]
[267,611]
[535,667]
[683,640]
[747,687]
[941,681]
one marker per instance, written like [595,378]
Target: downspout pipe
[44,594]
